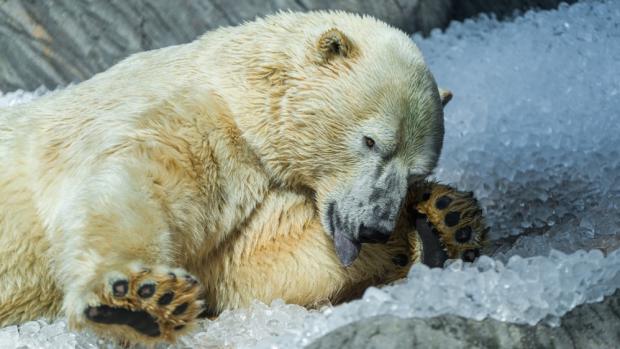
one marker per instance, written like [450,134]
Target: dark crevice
[301,5]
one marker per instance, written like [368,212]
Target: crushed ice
[534,131]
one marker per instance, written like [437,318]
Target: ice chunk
[533,126]
[9,337]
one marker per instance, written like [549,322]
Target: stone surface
[55,42]
[594,325]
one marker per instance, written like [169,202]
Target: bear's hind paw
[144,304]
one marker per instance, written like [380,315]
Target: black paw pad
[140,321]
[180,309]
[452,218]
[443,202]
[95,313]
[146,290]
[120,288]
[166,298]
[401,260]
[433,254]
[463,235]
[471,255]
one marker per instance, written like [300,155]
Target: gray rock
[55,42]
[594,325]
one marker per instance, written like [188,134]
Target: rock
[55,42]
[594,325]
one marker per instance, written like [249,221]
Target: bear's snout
[365,212]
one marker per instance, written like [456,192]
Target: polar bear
[250,163]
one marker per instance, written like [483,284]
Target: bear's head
[356,117]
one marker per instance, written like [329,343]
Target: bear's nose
[373,235]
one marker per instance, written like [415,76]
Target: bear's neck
[252,83]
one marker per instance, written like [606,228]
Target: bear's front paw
[144,304]
[456,218]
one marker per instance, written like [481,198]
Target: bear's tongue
[346,250]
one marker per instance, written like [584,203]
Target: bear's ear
[333,43]
[445,96]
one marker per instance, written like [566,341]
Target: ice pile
[534,127]
[534,131]
[42,334]
[524,290]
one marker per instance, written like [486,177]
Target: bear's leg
[113,258]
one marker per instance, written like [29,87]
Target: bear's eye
[369,142]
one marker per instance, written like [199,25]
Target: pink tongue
[346,249]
